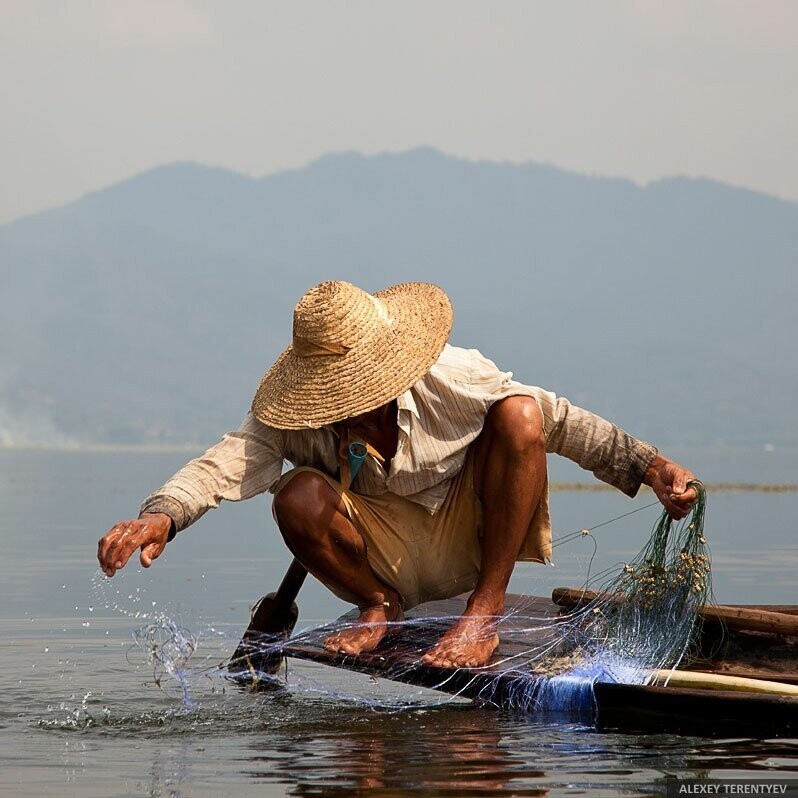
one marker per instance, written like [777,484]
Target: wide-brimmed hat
[353,352]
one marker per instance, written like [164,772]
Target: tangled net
[641,620]
[650,613]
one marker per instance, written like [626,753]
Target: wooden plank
[745,619]
[786,609]
[529,623]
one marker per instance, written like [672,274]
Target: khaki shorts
[423,557]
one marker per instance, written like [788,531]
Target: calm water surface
[81,713]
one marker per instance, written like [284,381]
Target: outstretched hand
[669,481]
[148,533]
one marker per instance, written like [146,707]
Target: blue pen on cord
[357,454]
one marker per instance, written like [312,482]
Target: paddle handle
[292,582]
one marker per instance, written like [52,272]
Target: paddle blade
[272,621]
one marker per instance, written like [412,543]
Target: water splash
[74,718]
[166,645]
[168,648]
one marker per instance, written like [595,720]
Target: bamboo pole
[713,681]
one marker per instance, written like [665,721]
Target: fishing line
[559,540]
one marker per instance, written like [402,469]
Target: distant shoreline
[560,487]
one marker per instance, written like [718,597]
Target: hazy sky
[93,92]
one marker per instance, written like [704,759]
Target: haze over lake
[147,312]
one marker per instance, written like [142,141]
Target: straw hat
[353,352]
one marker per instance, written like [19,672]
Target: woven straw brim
[301,392]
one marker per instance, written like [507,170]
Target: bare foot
[468,644]
[365,634]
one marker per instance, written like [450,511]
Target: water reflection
[441,751]
[466,750]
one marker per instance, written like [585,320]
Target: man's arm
[243,464]
[613,455]
[594,443]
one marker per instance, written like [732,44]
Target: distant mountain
[147,312]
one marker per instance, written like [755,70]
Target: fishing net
[624,625]
[643,618]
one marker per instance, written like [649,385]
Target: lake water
[81,713]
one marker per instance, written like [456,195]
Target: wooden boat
[758,644]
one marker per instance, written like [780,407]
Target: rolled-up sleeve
[244,463]
[594,443]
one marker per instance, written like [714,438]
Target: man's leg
[509,476]
[313,522]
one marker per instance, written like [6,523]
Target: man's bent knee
[517,422]
[306,503]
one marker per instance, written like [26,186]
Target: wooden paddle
[742,618]
[273,618]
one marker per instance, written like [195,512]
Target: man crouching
[419,468]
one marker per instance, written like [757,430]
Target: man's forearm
[160,503]
[244,463]
[597,445]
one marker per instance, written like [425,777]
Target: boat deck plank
[530,624]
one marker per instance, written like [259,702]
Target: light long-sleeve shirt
[438,419]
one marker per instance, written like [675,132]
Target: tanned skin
[509,477]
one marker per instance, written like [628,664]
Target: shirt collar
[406,407]
[408,403]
